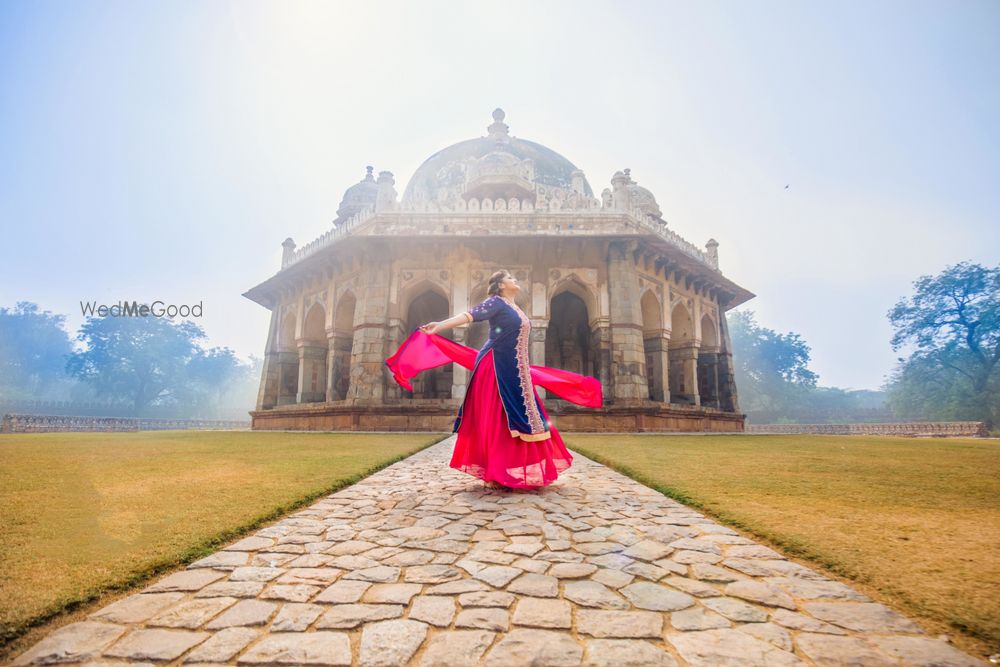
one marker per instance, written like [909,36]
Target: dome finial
[498,130]
[369,176]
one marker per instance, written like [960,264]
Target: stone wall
[439,415]
[20,423]
[952,429]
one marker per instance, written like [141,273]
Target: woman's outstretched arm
[437,327]
[484,311]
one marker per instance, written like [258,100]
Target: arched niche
[568,337]
[682,376]
[313,356]
[653,343]
[429,305]
[288,361]
[708,363]
[341,346]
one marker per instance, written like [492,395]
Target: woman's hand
[431,327]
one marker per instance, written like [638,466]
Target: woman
[504,434]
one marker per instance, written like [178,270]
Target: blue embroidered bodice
[509,334]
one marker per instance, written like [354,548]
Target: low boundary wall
[940,429]
[19,423]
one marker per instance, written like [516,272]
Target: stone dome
[358,196]
[498,163]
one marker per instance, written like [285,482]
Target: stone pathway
[418,564]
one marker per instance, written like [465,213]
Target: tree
[772,369]
[953,322]
[33,350]
[142,360]
[217,384]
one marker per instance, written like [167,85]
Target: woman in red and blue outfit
[504,433]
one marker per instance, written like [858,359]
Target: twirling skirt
[486,449]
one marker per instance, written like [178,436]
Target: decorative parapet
[951,429]
[584,206]
[332,236]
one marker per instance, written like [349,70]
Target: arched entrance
[430,306]
[288,362]
[654,343]
[567,339]
[339,347]
[708,363]
[312,357]
[683,358]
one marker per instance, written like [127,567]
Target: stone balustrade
[22,423]
[949,429]
[330,237]
[513,206]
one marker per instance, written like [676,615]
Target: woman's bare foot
[497,486]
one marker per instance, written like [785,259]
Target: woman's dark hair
[495,280]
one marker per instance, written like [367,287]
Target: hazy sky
[164,150]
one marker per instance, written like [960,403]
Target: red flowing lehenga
[486,449]
[485,446]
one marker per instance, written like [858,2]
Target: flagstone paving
[420,565]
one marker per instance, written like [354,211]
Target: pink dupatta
[423,351]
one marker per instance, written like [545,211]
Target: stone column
[536,353]
[288,377]
[628,381]
[687,382]
[727,395]
[459,375]
[368,370]
[460,334]
[659,370]
[338,364]
[267,393]
[708,377]
[600,347]
[396,335]
[312,372]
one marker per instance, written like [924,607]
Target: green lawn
[915,521]
[86,514]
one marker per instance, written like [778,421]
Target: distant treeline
[951,328]
[128,367]
[152,367]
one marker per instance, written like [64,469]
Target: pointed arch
[681,325]
[288,361]
[416,290]
[709,333]
[341,345]
[313,356]
[429,305]
[682,375]
[708,363]
[653,344]
[314,326]
[572,283]
[568,337]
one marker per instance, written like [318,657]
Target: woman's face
[509,286]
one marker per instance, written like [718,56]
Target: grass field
[83,515]
[916,522]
